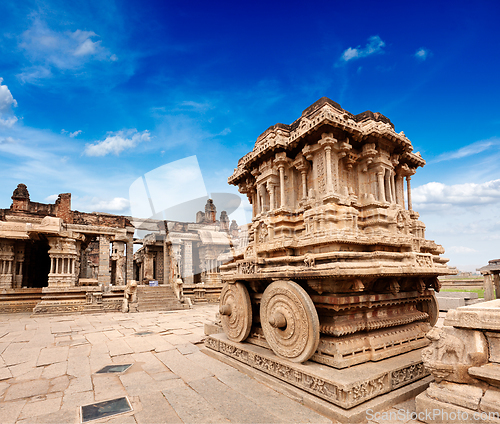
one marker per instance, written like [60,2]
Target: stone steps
[160,298]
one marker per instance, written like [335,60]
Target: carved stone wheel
[235,310]
[289,321]
[432,308]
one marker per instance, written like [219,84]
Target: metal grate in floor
[107,408]
[109,369]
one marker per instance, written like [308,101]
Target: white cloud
[374,46]
[48,50]
[7,102]
[116,142]
[225,131]
[471,149]
[436,195]
[51,198]
[34,74]
[422,53]
[8,140]
[8,121]
[75,133]
[117,204]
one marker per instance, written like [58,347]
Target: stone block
[481,316]
[431,410]
[489,373]
[491,401]
[457,394]
[447,303]
[494,346]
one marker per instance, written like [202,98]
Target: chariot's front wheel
[289,321]
[235,310]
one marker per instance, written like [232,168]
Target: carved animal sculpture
[309,261]
[446,344]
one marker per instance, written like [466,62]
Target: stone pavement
[48,370]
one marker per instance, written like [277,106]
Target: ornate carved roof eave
[293,134]
[413,159]
[290,143]
[389,137]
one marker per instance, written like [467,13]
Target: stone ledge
[357,414]
[346,387]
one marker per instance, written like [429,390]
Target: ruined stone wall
[63,208]
[101,219]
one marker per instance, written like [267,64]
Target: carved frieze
[344,395]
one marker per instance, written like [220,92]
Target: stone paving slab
[48,366]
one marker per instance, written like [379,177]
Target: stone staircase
[160,298]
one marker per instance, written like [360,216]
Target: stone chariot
[337,269]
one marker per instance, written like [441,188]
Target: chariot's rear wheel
[289,321]
[235,310]
[432,308]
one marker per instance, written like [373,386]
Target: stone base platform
[345,395]
[81,299]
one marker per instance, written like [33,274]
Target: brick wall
[63,208]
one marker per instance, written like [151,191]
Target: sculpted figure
[446,345]
[130,295]
[178,289]
[452,352]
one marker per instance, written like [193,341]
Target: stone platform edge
[314,392]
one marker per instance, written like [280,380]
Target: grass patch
[480,292]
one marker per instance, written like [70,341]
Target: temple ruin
[491,275]
[337,271]
[191,251]
[54,259]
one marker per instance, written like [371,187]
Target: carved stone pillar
[400,198]
[304,184]
[148,265]
[270,189]
[118,256]
[393,187]
[381,190]
[103,275]
[259,202]
[6,260]
[329,180]
[488,288]
[263,198]
[188,262]
[63,255]
[496,282]
[302,165]
[408,188]
[130,262]
[18,269]
[282,186]
[255,204]
[387,186]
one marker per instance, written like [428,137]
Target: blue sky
[96,94]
